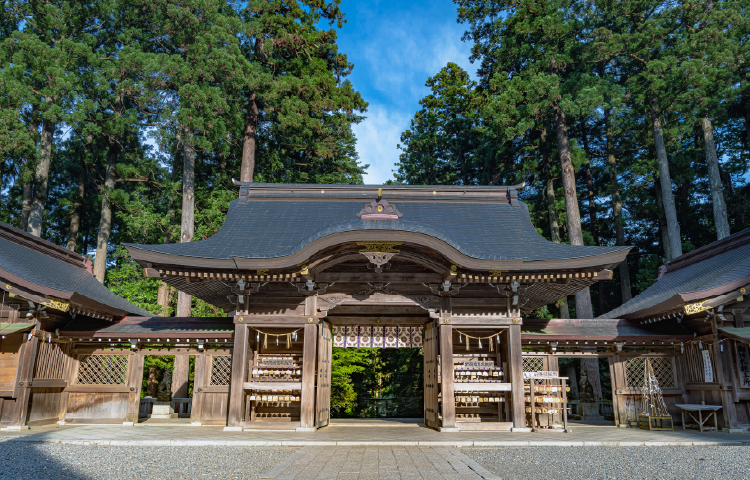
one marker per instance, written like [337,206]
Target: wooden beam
[377,321]
[24,391]
[515,364]
[448,406]
[385,277]
[134,384]
[97,389]
[483,321]
[309,367]
[239,363]
[266,320]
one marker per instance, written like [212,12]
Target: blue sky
[395,47]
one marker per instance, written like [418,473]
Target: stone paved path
[378,463]
[349,436]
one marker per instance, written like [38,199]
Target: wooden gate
[430,376]
[213,375]
[325,357]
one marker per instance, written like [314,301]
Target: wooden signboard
[277,362]
[542,374]
[479,364]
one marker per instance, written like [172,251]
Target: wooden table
[712,409]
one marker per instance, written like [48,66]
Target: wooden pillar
[24,389]
[239,374]
[448,405]
[309,369]
[180,375]
[198,385]
[134,384]
[515,364]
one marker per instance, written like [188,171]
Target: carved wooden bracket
[445,289]
[514,290]
[378,289]
[311,288]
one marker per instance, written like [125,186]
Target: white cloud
[377,138]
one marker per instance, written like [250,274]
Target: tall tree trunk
[28,186]
[714,177]
[248,144]
[614,189]
[583,298]
[41,176]
[164,298]
[164,294]
[555,231]
[662,222]
[105,218]
[75,218]
[187,226]
[28,196]
[670,211]
[746,105]
[591,367]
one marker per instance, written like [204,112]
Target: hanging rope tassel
[265,340]
[480,343]
[277,340]
[288,341]
[467,343]
[491,345]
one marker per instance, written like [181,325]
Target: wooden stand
[557,387]
[659,420]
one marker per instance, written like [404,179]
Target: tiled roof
[601,330]
[43,264]
[721,263]
[261,227]
[178,327]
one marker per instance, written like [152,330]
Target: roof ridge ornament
[379,209]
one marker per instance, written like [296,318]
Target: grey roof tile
[276,228]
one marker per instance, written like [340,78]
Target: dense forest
[125,120]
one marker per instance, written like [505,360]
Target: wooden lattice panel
[663,370]
[51,360]
[102,369]
[221,371]
[533,364]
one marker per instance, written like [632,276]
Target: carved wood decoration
[379,259]
[379,210]
[446,289]
[329,301]
[311,288]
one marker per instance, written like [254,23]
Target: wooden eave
[715,296]
[40,294]
[148,258]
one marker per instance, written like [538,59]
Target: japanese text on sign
[479,364]
[277,362]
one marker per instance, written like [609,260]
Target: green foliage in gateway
[360,375]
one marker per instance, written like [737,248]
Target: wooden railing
[182,406]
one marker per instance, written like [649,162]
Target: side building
[706,292]
[45,288]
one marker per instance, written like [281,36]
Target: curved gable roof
[485,226]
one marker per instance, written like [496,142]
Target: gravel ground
[27,460]
[614,462]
